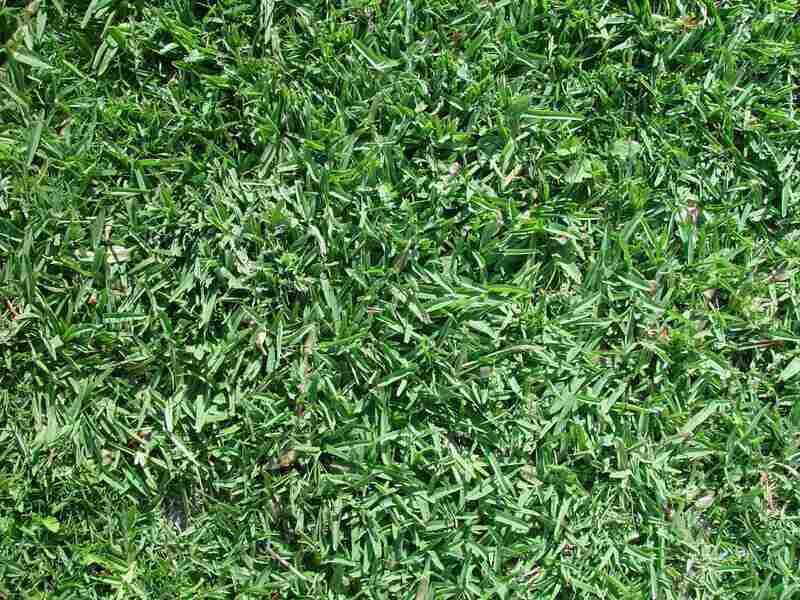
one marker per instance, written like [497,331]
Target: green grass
[400,299]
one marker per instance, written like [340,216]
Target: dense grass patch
[399,299]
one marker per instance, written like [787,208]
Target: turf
[399,299]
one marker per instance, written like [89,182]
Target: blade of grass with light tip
[33,141]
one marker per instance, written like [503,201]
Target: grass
[399,299]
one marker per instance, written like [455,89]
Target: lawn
[416,299]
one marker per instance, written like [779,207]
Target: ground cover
[399,299]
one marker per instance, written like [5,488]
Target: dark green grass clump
[399,299]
